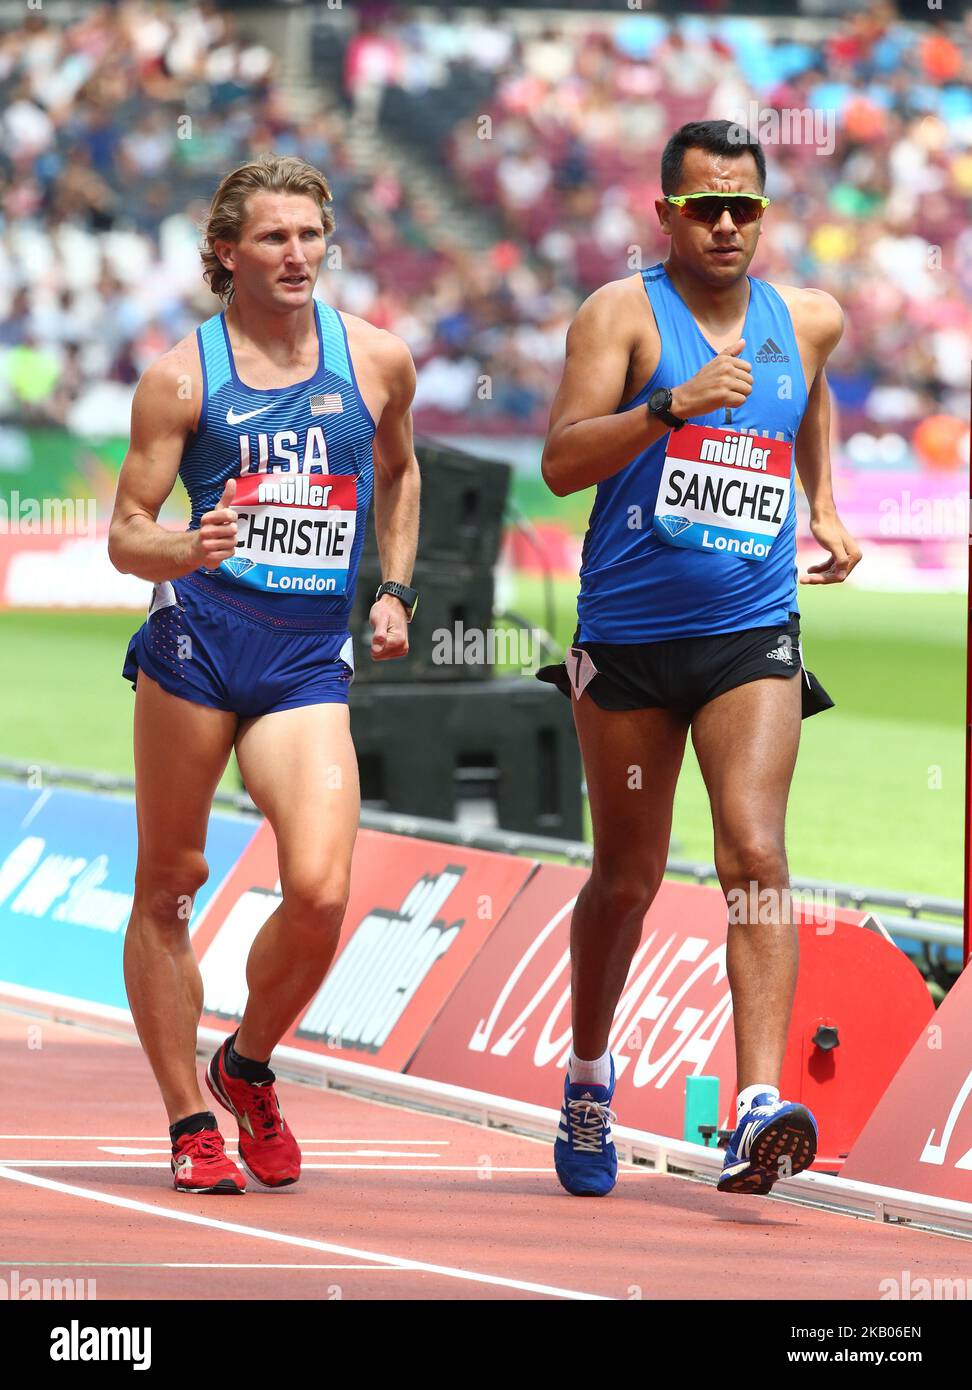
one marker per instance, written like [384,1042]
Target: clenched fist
[215,540]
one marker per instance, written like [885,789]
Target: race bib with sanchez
[294,532]
[723,492]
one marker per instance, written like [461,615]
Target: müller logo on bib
[723,492]
[295,532]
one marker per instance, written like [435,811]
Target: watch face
[659,398]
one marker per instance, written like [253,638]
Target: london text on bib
[723,492]
[294,532]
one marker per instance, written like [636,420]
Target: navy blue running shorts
[225,654]
[685,673]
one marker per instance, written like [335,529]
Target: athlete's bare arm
[386,377]
[613,348]
[586,441]
[164,413]
[818,323]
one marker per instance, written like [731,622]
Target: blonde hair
[227,212]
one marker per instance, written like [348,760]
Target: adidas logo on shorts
[784,652]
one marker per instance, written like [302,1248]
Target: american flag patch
[330,403]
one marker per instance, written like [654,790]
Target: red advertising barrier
[455,965]
[867,991]
[65,571]
[506,1028]
[920,1135]
[419,913]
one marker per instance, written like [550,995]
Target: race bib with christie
[302,457]
[295,532]
[697,534]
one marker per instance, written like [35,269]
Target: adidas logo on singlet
[771,352]
[675,525]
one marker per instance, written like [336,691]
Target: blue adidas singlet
[633,586]
[303,459]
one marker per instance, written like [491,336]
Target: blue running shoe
[584,1156]
[773,1139]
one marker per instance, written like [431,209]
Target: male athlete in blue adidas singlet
[691,393]
[281,416]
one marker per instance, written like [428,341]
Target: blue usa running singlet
[634,586]
[302,456]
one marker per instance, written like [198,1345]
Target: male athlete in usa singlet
[692,395]
[282,417]
[300,461]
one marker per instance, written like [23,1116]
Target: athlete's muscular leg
[181,750]
[747,741]
[631,761]
[300,769]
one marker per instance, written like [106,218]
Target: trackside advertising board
[67,873]
[860,1003]
[920,1135]
[54,570]
[506,1028]
[418,914]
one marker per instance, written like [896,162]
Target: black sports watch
[407,597]
[660,404]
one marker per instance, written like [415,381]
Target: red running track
[391,1204]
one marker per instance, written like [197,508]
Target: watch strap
[406,596]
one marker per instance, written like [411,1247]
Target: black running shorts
[684,673]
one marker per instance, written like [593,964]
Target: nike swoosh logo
[233,419]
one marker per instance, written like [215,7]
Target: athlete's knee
[316,902]
[754,858]
[625,892]
[165,888]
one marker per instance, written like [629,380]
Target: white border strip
[302,1242]
[665,1155]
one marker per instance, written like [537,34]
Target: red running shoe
[268,1150]
[199,1164]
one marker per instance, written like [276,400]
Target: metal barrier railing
[910,915]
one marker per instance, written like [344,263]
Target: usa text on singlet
[302,457]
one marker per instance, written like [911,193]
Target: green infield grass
[878,797]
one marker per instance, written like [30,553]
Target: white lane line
[107,1163]
[323,1246]
[164,1139]
[41,801]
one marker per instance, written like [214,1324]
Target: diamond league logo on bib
[295,532]
[674,525]
[238,568]
[723,492]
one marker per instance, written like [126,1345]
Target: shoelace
[589,1120]
[767,1109]
[207,1142]
[264,1103]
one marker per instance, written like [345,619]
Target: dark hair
[718,137]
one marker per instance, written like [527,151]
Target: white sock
[747,1097]
[596,1073]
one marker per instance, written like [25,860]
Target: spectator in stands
[101,183]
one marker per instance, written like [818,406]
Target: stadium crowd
[117,127]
